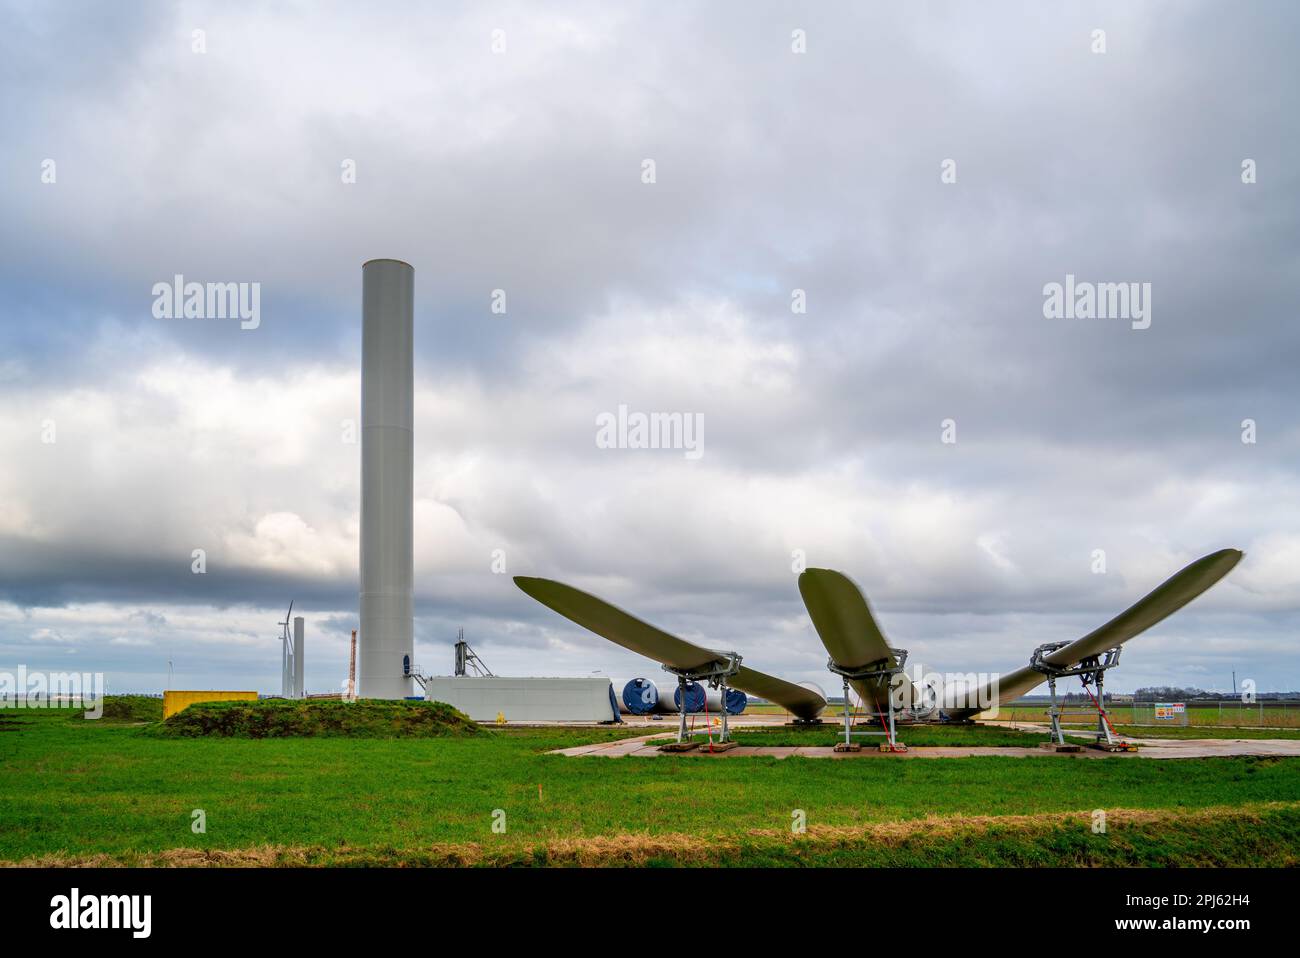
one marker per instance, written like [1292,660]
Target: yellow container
[174,702]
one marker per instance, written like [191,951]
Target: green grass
[910,735]
[753,709]
[1231,716]
[78,788]
[1267,837]
[125,708]
[1202,731]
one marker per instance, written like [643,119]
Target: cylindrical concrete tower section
[387,478]
[299,657]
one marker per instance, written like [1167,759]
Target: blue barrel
[640,696]
[695,697]
[736,701]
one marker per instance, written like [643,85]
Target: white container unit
[526,699]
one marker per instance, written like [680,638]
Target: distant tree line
[1170,693]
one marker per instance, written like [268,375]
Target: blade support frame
[1087,666]
[1089,669]
[872,670]
[715,674]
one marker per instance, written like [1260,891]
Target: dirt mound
[280,718]
[128,708]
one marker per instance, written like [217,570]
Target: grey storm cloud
[776,171]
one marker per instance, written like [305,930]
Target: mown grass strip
[911,735]
[1266,834]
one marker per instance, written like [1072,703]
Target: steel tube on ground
[642,696]
[638,696]
[387,478]
[696,698]
[736,699]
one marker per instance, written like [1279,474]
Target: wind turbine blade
[1163,601]
[625,629]
[1166,599]
[843,620]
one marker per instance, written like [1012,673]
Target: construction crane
[467,660]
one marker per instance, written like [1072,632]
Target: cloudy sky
[920,172]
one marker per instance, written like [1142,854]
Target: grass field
[1203,731]
[911,735]
[923,735]
[108,792]
[1229,716]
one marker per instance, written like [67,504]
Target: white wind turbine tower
[292,656]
